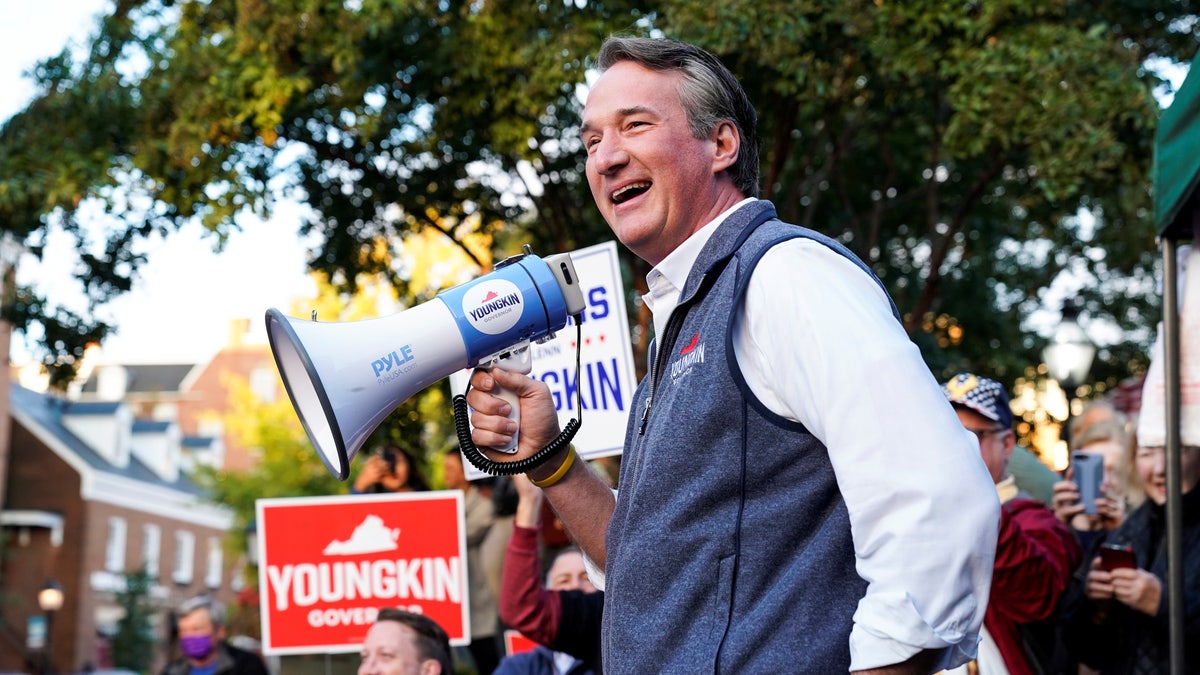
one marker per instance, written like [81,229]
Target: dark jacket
[1116,638]
[230,661]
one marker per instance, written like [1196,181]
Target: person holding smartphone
[1099,504]
[389,468]
[1117,617]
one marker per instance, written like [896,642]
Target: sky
[185,296]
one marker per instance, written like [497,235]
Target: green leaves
[951,145]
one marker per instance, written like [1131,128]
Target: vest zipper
[650,391]
[674,323]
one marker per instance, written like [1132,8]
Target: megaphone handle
[514,402]
[462,429]
[518,361]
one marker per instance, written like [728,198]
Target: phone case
[1115,557]
[1088,472]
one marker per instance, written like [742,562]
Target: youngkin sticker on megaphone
[494,306]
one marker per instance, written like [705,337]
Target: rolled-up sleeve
[818,344]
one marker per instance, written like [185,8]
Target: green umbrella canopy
[1177,160]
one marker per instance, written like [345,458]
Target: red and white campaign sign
[327,565]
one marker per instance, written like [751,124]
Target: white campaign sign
[606,380]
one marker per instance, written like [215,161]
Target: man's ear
[1010,444]
[727,144]
[432,667]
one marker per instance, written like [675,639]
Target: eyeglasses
[984,433]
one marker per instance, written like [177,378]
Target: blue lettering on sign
[601,382]
[598,303]
[392,360]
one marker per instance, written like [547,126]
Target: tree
[385,117]
[133,645]
[976,155]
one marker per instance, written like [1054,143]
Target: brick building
[91,492]
[193,395]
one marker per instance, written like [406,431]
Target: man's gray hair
[216,610]
[707,90]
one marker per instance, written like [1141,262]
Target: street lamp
[1069,357]
[50,599]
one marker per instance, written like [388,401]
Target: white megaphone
[345,378]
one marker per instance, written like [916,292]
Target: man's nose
[608,155]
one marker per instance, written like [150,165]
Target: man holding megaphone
[796,495]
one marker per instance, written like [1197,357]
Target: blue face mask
[196,646]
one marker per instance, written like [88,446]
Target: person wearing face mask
[200,622]
[564,615]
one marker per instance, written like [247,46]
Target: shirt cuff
[886,635]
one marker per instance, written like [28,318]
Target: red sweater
[524,604]
[1035,557]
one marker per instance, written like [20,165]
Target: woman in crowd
[1117,619]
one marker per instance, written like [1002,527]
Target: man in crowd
[1036,553]
[403,643]
[200,622]
[795,493]
[563,615]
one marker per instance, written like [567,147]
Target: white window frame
[185,557]
[151,549]
[264,382]
[212,576]
[114,545]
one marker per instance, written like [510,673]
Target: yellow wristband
[562,470]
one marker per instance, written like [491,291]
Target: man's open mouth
[629,192]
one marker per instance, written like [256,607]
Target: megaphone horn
[344,378]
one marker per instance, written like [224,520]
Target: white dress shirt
[818,344]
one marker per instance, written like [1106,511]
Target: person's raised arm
[579,497]
[524,604]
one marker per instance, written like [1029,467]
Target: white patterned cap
[984,396]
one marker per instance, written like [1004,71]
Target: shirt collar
[1007,489]
[676,267]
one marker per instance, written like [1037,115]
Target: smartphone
[1114,557]
[1088,472]
[388,456]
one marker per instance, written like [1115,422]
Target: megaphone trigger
[516,360]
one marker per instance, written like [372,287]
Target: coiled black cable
[462,427]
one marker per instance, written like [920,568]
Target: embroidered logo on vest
[689,356]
